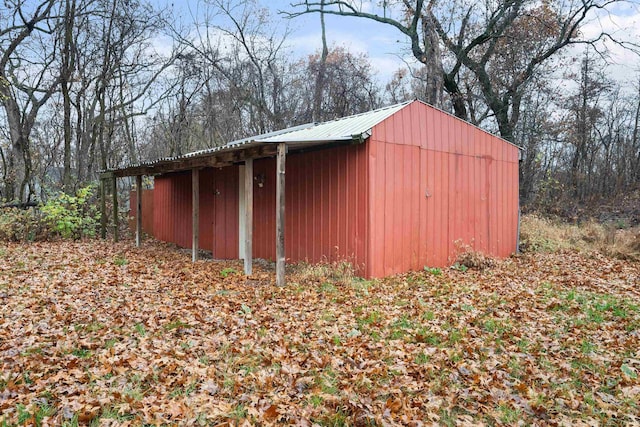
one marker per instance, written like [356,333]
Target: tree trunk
[432,60]
[319,89]
[68,64]
[15,165]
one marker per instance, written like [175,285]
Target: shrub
[626,245]
[17,225]
[538,234]
[63,215]
[73,216]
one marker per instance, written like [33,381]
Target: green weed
[120,261]
[316,400]
[82,353]
[328,381]
[239,413]
[433,270]
[508,415]
[421,358]
[176,324]
[629,371]
[228,271]
[139,328]
[373,318]
[459,267]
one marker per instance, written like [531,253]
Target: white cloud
[385,54]
[388,64]
[305,44]
[621,24]
[162,46]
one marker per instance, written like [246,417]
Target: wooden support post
[103,208]
[280,189]
[114,195]
[195,210]
[248,222]
[138,210]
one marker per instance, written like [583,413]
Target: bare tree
[66,74]
[26,84]
[634,150]
[503,44]
[322,65]
[242,58]
[349,86]
[118,79]
[585,112]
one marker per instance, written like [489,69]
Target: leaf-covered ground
[109,334]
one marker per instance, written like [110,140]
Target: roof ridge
[377,110]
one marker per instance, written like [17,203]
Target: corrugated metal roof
[346,128]
[343,129]
[246,141]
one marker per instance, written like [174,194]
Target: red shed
[390,190]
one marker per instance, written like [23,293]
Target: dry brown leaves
[108,334]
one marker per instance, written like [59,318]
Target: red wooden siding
[147,211]
[325,203]
[218,210]
[172,213]
[207,196]
[436,186]
[224,212]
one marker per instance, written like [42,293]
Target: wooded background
[90,84]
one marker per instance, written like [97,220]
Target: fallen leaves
[101,332]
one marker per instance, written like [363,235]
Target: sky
[388,49]
[385,46]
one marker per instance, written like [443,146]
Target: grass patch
[176,324]
[339,272]
[120,261]
[82,353]
[140,329]
[435,271]
[539,234]
[327,288]
[421,358]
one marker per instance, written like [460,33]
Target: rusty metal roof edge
[230,146]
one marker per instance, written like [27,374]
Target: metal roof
[246,141]
[351,128]
[344,129]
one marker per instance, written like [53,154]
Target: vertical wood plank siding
[147,211]
[218,210]
[325,200]
[325,206]
[224,214]
[436,186]
[172,216]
